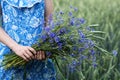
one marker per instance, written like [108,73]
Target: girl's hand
[26,52]
[40,55]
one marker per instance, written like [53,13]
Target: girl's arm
[48,9]
[22,51]
[5,38]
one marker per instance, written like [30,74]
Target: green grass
[106,13]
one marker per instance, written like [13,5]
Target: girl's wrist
[12,46]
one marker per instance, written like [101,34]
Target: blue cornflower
[75,9]
[91,43]
[82,21]
[51,40]
[81,40]
[88,28]
[57,24]
[92,52]
[48,53]
[86,45]
[71,6]
[61,12]
[57,39]
[82,57]
[50,18]
[114,52]
[62,31]
[94,61]
[70,14]
[43,37]
[60,45]
[82,35]
[74,48]
[77,22]
[93,58]
[81,49]
[74,63]
[47,29]
[72,21]
[51,34]
[94,65]
[72,54]
[79,63]
[52,25]
[71,37]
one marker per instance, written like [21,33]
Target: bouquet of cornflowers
[66,37]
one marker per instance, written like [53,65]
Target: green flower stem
[59,68]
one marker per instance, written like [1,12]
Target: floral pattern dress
[23,21]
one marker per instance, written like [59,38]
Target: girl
[22,23]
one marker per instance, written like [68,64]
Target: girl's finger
[32,50]
[39,55]
[29,55]
[24,57]
[43,55]
[36,55]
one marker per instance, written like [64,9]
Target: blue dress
[23,21]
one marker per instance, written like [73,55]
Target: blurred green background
[106,13]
